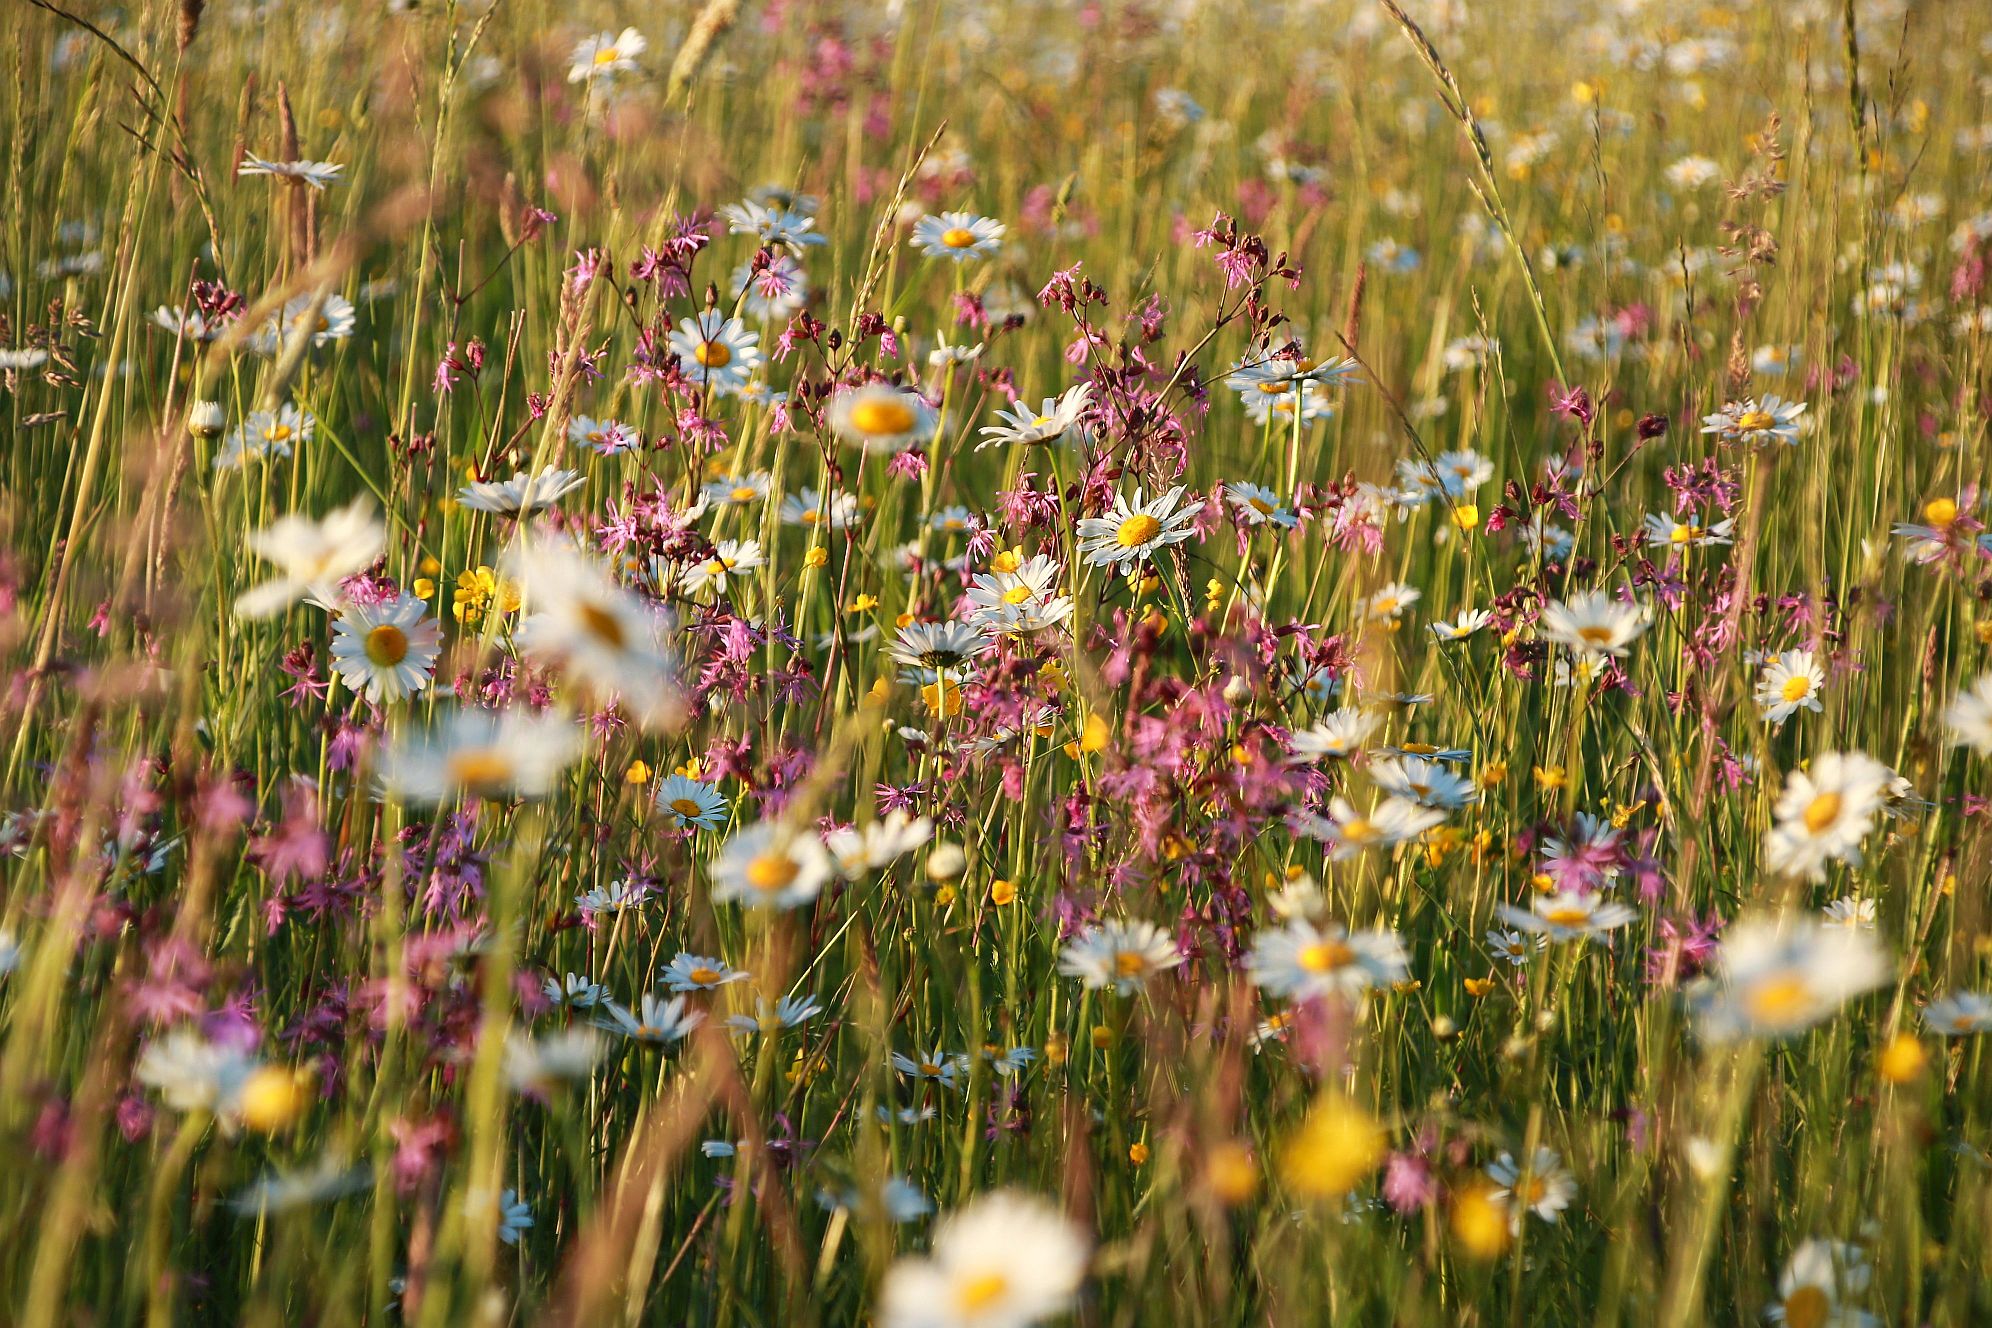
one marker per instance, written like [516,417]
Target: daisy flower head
[1052,420]
[881,418]
[1257,505]
[1348,832]
[483,754]
[1824,813]
[1594,623]
[1753,421]
[730,560]
[523,494]
[690,972]
[1469,622]
[386,651]
[942,647]
[1569,915]
[1302,960]
[1389,604]
[1792,681]
[312,557]
[1543,1187]
[655,1021]
[1427,783]
[776,291]
[1133,530]
[739,490]
[1960,1014]
[774,224]
[601,635]
[306,317]
[1685,532]
[1121,954]
[689,804]
[717,352]
[1020,601]
[1337,736]
[605,55]
[1283,402]
[608,437]
[770,866]
[834,510]
[317,174]
[266,433]
[957,236]
[1969,717]
[1816,1282]
[1774,978]
[878,844]
[1007,1260]
[1514,947]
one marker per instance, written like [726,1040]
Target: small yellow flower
[1337,1147]
[818,556]
[1548,777]
[863,603]
[1231,1172]
[272,1098]
[1002,892]
[1478,987]
[425,588]
[1095,736]
[1466,516]
[1494,774]
[1007,560]
[1056,1049]
[638,773]
[942,697]
[1103,1037]
[693,768]
[1902,1060]
[880,693]
[945,895]
[903,620]
[1480,1221]
[1137,1152]
[429,566]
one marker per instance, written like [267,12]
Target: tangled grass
[966,664]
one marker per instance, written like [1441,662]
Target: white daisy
[312,557]
[1120,954]
[605,55]
[691,805]
[717,352]
[1775,978]
[484,754]
[523,494]
[1007,1260]
[768,865]
[1791,682]
[880,418]
[1134,530]
[386,651]
[1302,961]
[1052,420]
[958,236]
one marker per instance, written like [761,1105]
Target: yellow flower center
[608,55]
[703,976]
[1682,535]
[881,416]
[1940,512]
[1129,963]
[1018,594]
[1273,387]
[1137,530]
[1751,420]
[1568,916]
[1260,505]
[1822,811]
[277,433]
[386,645]
[1360,831]
[957,237]
[602,625]
[478,768]
[687,807]
[713,354]
[980,1292]
[772,871]
[1595,635]
[1796,688]
[743,493]
[1326,956]
[1807,1307]
[1779,1000]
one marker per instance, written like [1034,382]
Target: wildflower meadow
[954,664]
